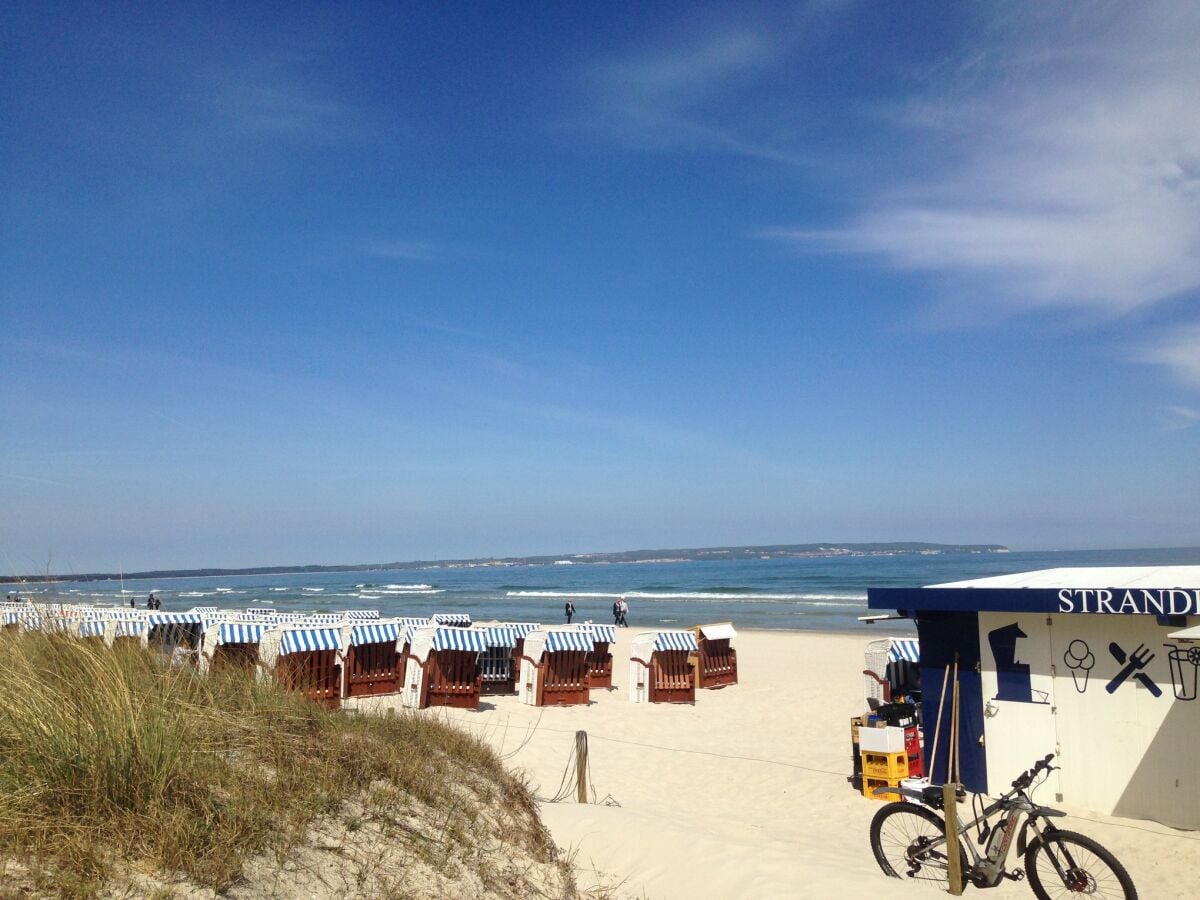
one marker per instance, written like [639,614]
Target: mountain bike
[909,841]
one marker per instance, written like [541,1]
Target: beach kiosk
[1092,664]
[373,662]
[715,659]
[555,667]
[442,667]
[660,668]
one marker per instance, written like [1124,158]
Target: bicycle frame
[983,871]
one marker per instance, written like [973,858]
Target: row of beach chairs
[442,660]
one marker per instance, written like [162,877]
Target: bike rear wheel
[1086,869]
[909,842]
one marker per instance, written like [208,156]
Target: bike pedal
[1015,875]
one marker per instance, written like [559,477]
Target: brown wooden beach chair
[308,663]
[556,667]
[661,668]
[442,667]
[374,664]
[715,658]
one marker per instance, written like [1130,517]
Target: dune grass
[112,757]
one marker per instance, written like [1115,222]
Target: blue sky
[359,283]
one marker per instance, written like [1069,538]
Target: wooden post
[581,766]
[950,804]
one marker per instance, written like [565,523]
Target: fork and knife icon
[1133,664]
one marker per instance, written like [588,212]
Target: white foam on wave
[312,590]
[406,587]
[196,593]
[706,596]
[408,593]
[278,589]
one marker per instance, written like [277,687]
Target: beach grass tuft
[111,759]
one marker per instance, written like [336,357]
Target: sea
[826,593]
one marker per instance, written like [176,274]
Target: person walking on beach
[132,603]
[617,612]
[624,612]
[570,611]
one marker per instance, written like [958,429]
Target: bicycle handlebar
[1026,778]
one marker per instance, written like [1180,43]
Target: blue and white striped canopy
[603,633]
[412,621]
[675,640]
[326,618]
[299,640]
[522,629]
[204,610]
[291,617]
[380,633]
[568,640]
[499,636]
[128,615]
[459,639]
[451,619]
[261,610]
[241,632]
[362,614]
[904,648]
[11,617]
[174,618]
[91,628]
[129,628]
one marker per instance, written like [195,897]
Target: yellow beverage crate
[870,784]
[892,766]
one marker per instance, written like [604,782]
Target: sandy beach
[745,793]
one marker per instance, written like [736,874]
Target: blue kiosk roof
[1158,591]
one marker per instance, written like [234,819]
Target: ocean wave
[312,590]
[810,599]
[196,593]
[406,587]
[279,589]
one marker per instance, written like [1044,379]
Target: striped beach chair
[373,658]
[660,667]
[555,667]
[496,667]
[892,667]
[309,662]
[442,667]
[235,645]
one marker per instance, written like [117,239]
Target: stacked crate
[889,752]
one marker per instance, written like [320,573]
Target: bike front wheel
[909,842]
[1063,864]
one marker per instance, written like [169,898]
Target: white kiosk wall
[1111,694]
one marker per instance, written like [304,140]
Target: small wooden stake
[581,766]
[950,804]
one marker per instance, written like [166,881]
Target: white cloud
[1178,351]
[1063,165]
[663,99]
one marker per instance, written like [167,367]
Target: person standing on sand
[570,611]
[132,603]
[624,613]
[617,612]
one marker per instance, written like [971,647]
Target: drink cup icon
[1185,664]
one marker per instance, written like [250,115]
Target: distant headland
[768,551]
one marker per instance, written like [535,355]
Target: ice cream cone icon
[1079,659]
